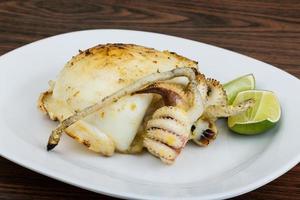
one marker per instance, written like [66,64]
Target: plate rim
[232,193]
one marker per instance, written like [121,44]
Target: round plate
[230,166]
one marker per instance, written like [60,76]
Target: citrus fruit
[262,116]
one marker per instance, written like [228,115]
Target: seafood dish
[126,98]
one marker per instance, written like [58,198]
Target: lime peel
[233,87]
[260,118]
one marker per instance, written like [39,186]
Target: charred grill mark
[193,128]
[203,140]
[168,117]
[209,134]
[172,118]
[208,91]
[50,146]
[206,136]
[72,136]
[174,133]
[55,119]
[119,44]
[120,80]
[177,150]
[88,52]
[195,70]
[99,46]
[86,143]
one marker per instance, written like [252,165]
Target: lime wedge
[232,88]
[261,117]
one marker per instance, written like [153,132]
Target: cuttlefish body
[96,73]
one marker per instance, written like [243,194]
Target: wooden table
[268,31]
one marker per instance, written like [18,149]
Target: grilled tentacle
[203,131]
[216,111]
[168,130]
[216,94]
[167,133]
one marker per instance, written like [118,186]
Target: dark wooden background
[266,30]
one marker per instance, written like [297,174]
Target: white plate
[231,166]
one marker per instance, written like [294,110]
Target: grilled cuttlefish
[99,72]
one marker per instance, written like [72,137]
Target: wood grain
[266,30]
